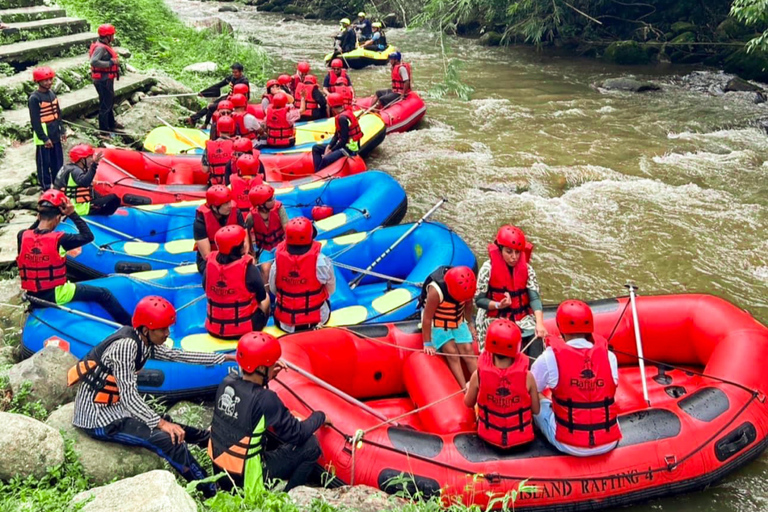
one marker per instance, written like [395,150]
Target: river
[656,188]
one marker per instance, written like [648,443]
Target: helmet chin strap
[264,375]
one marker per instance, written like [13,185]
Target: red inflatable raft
[707,384]
[399,116]
[148,178]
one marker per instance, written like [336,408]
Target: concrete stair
[39,29]
[42,49]
[34,13]
[73,71]
[13,4]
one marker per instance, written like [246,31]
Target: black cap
[237,66]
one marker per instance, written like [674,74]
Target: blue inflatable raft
[376,299]
[153,237]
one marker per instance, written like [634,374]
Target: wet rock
[102,461]
[626,53]
[7,203]
[137,97]
[7,356]
[739,84]
[228,8]
[628,85]
[392,20]
[123,52]
[763,125]
[191,414]
[490,39]
[28,202]
[706,81]
[683,26]
[131,69]
[8,241]
[748,65]
[360,498]
[28,447]
[34,189]
[202,68]
[679,41]
[215,25]
[142,118]
[732,29]
[154,491]
[46,371]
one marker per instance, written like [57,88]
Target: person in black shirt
[363,26]
[47,130]
[214,91]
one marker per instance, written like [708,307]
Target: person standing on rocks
[47,130]
[76,181]
[237,77]
[108,406]
[104,72]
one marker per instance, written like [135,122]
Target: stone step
[80,102]
[37,12]
[73,71]
[13,4]
[43,49]
[40,29]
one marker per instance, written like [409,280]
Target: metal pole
[113,164]
[638,341]
[111,230]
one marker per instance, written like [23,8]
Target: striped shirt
[120,361]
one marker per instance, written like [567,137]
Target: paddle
[638,341]
[353,284]
[113,164]
[161,96]
[178,133]
[111,230]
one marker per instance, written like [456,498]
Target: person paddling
[378,41]
[214,91]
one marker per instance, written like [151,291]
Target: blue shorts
[460,334]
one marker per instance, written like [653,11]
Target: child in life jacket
[503,389]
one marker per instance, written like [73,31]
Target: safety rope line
[132,277]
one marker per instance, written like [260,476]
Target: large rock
[103,462]
[7,203]
[748,65]
[360,498]
[215,25]
[143,116]
[228,8]
[156,491]
[28,202]
[28,447]
[193,415]
[737,84]
[628,85]
[683,26]
[626,53]
[202,68]
[46,371]
[490,38]
[731,29]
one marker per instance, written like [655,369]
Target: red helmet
[160,149]
[261,194]
[54,197]
[106,30]
[335,100]
[225,105]
[42,73]
[271,83]
[511,236]
[302,67]
[461,283]
[342,80]
[226,125]
[154,312]
[247,165]
[310,79]
[279,100]
[238,100]
[503,338]
[284,79]
[241,89]
[79,152]
[321,212]
[574,317]
[337,64]
[229,237]
[217,195]
[299,231]
[257,349]
[242,145]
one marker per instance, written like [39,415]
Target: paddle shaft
[353,284]
[178,133]
[639,342]
[161,96]
[111,230]
[113,164]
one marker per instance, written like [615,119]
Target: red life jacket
[240,188]
[583,400]
[309,100]
[355,132]
[41,266]
[505,417]
[295,82]
[267,96]
[212,223]
[280,132]
[333,79]
[240,128]
[515,283]
[266,237]
[398,84]
[110,72]
[219,154]
[299,295]
[230,304]
[346,94]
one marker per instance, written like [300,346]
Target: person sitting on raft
[337,70]
[302,72]
[346,139]
[246,124]
[217,155]
[507,288]
[503,389]
[108,406]
[445,321]
[249,174]
[237,299]
[315,104]
[280,121]
[378,41]
[346,91]
[581,417]
[225,108]
[270,90]
[266,220]
[302,279]
[42,259]
[245,410]
[401,82]
[284,81]
[363,27]
[237,77]
[75,179]
[218,211]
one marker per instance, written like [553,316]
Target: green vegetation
[158,39]
[753,13]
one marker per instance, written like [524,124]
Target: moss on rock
[626,53]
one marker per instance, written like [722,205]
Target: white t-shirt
[403,73]
[544,369]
